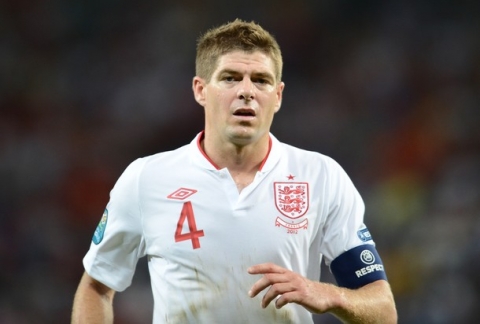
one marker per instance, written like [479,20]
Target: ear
[199,89]
[279,91]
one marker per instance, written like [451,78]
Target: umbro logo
[181,193]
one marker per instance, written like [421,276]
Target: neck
[242,161]
[236,157]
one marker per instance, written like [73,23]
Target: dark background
[389,89]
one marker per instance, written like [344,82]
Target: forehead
[241,61]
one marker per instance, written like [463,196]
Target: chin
[244,137]
[244,140]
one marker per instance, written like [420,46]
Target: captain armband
[357,267]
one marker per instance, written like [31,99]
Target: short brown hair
[233,36]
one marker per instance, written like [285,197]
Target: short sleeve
[344,226]
[118,242]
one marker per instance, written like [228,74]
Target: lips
[244,112]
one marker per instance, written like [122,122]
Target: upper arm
[358,266]
[118,241]
[90,285]
[344,214]
[93,302]
[348,247]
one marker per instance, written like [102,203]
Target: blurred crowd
[389,89]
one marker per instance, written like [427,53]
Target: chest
[204,215]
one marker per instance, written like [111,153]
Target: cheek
[274,102]
[221,97]
[220,102]
[217,105]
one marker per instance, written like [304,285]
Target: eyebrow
[265,75]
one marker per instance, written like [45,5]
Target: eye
[262,80]
[228,78]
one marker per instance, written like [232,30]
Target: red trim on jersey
[199,141]
[268,153]
[201,137]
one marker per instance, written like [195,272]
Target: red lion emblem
[291,198]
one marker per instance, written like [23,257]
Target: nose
[246,90]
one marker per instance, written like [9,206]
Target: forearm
[93,303]
[370,304]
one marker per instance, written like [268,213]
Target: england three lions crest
[292,201]
[291,198]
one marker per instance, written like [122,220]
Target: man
[235,224]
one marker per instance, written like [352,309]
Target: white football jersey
[200,234]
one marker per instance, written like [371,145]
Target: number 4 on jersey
[194,234]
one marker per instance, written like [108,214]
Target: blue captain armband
[357,267]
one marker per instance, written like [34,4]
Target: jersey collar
[201,159]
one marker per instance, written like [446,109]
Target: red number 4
[194,234]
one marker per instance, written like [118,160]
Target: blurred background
[389,89]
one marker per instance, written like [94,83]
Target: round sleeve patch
[100,230]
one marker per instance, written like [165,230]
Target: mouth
[244,112]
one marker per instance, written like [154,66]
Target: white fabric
[209,284]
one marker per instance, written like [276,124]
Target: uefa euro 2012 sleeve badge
[100,230]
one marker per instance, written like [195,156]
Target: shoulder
[310,159]
[156,162]
[166,158]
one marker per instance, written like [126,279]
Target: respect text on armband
[368,269]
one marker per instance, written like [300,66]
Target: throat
[243,180]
